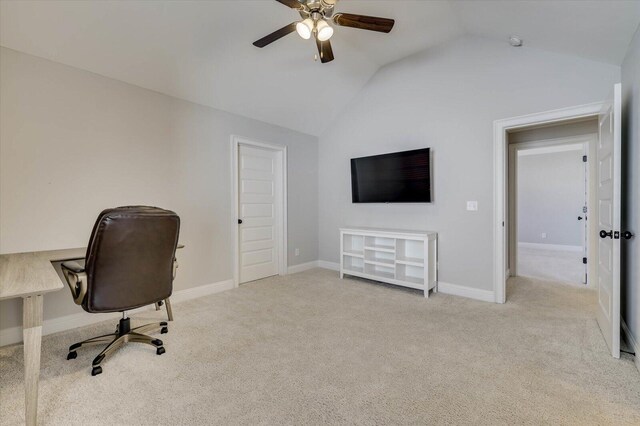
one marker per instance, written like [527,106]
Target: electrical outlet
[543,235]
[297,252]
[472,206]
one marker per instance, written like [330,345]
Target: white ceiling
[201,51]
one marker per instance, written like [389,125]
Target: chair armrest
[76,280]
[73,266]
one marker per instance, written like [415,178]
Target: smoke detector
[515,41]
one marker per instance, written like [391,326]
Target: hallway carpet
[553,265]
[310,348]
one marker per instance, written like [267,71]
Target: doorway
[607,202]
[502,128]
[550,197]
[259,199]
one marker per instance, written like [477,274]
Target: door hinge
[584,260]
[584,158]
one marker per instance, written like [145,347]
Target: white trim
[464,291]
[302,267]
[283,252]
[500,151]
[550,149]
[631,340]
[10,336]
[201,291]
[557,247]
[574,142]
[334,266]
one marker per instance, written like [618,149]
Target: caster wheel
[160,350]
[157,342]
[164,330]
[72,355]
[96,370]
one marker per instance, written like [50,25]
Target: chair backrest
[130,256]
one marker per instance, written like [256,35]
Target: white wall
[447,99]
[551,194]
[631,191]
[73,143]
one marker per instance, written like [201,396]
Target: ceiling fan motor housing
[323,7]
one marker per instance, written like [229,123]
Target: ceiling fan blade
[371,23]
[276,35]
[324,51]
[293,4]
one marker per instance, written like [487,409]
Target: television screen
[400,177]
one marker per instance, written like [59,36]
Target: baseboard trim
[631,340]
[334,266]
[302,267]
[558,247]
[13,335]
[468,292]
[202,290]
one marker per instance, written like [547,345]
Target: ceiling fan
[316,15]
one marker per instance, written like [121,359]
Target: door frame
[588,148]
[281,238]
[500,161]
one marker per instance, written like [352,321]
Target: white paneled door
[259,197]
[609,183]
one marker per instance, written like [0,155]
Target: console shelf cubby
[400,257]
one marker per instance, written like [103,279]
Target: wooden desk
[30,276]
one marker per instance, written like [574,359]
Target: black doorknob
[579,217]
[239,221]
[605,234]
[627,235]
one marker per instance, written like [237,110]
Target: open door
[609,192]
[583,217]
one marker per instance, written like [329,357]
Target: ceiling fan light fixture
[305,28]
[325,31]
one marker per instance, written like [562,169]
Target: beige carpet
[312,349]
[553,265]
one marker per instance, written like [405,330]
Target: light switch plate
[472,206]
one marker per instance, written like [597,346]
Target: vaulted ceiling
[201,51]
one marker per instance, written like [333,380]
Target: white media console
[404,258]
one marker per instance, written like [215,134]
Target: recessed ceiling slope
[202,51]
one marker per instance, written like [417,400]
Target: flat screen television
[399,177]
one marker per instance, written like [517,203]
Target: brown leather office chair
[130,263]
